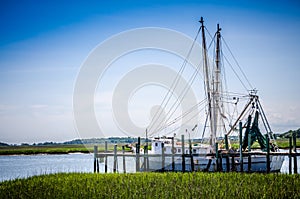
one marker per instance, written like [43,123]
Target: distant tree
[3,144]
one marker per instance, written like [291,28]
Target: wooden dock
[229,156]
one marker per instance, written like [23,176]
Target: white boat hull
[258,164]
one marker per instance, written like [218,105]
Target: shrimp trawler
[222,119]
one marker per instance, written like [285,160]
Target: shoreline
[283,144]
[72,152]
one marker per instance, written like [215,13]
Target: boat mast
[216,85]
[207,84]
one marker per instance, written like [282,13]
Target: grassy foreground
[154,185]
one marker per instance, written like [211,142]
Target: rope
[182,116]
[186,121]
[238,64]
[174,84]
[236,73]
[181,97]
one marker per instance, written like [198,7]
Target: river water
[22,166]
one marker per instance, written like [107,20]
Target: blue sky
[43,44]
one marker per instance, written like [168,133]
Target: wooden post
[137,163]
[226,142]
[241,146]
[182,148]
[233,164]
[221,162]
[290,155]
[162,157]
[217,156]
[173,152]
[268,153]
[95,158]
[146,158]
[227,156]
[124,161]
[191,154]
[115,159]
[105,161]
[295,151]
[249,152]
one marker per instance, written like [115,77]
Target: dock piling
[124,162]
[115,159]
[162,157]
[290,154]
[227,156]
[173,152]
[241,146]
[191,155]
[105,158]
[146,158]
[182,148]
[96,163]
[249,153]
[268,153]
[138,155]
[295,151]
[217,157]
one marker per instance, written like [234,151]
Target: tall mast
[216,85]
[207,84]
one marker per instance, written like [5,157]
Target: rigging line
[224,128]
[183,92]
[211,37]
[181,97]
[186,121]
[205,123]
[211,42]
[235,111]
[264,116]
[182,116]
[241,95]
[243,112]
[169,94]
[224,74]
[236,73]
[174,84]
[237,64]
[264,124]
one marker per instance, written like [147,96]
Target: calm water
[22,166]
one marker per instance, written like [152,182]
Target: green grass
[282,144]
[55,149]
[52,149]
[154,185]
[63,149]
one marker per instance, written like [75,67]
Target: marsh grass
[154,185]
[52,149]
[64,149]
